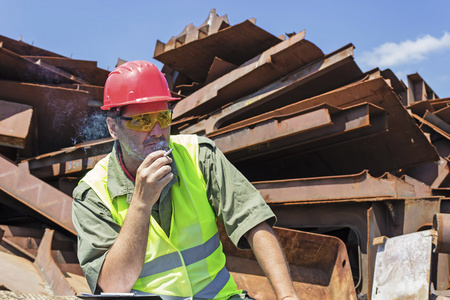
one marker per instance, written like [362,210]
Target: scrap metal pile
[343,157]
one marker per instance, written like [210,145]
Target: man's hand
[151,177]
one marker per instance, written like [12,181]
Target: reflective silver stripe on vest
[209,292]
[215,286]
[172,260]
[200,252]
[161,264]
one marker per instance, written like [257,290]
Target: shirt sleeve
[236,202]
[96,230]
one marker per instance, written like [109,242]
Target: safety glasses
[146,121]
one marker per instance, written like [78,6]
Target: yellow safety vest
[190,262]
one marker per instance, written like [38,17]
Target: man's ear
[112,127]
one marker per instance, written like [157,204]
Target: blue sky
[405,36]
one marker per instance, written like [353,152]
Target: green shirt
[236,203]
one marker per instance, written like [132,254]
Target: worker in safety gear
[146,221]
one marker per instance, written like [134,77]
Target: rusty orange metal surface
[235,44]
[302,132]
[78,158]
[272,64]
[441,223]
[319,266]
[38,195]
[48,267]
[342,157]
[15,122]
[332,71]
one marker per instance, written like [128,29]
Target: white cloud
[392,54]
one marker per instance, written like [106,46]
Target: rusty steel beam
[212,25]
[272,64]
[389,217]
[441,223]
[60,112]
[47,265]
[21,275]
[235,44]
[219,68]
[15,122]
[70,160]
[18,68]
[318,263]
[16,249]
[84,69]
[335,70]
[443,114]
[438,122]
[403,189]
[420,188]
[36,194]
[381,153]
[303,132]
[360,92]
[23,48]
[343,187]
[418,89]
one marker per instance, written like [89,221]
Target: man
[146,220]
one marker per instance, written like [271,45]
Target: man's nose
[156,131]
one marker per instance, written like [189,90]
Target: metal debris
[342,156]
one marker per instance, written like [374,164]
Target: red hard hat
[135,82]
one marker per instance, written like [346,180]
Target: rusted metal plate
[16,249]
[212,25]
[420,188]
[391,151]
[235,44]
[318,263]
[302,132]
[438,122]
[23,48]
[62,162]
[356,186]
[15,122]
[418,213]
[403,189]
[46,264]
[390,217]
[60,112]
[418,89]
[218,69]
[15,67]
[38,195]
[272,64]
[402,267]
[42,277]
[444,114]
[441,223]
[83,69]
[335,70]
[20,275]
[398,85]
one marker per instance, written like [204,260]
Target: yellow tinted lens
[146,122]
[164,118]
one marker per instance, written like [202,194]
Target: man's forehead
[145,107]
